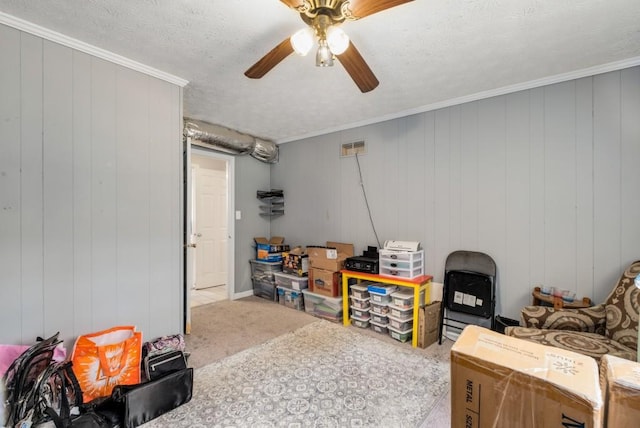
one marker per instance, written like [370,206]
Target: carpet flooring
[320,375]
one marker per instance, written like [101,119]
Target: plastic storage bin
[400,324]
[360,303]
[379,319]
[401,335]
[329,308]
[361,322]
[381,293]
[402,264]
[292,282]
[359,291]
[379,308]
[264,270]
[402,299]
[378,327]
[264,288]
[400,313]
[290,298]
[361,313]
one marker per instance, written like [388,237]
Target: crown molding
[78,45]
[545,81]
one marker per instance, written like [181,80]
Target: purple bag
[174,342]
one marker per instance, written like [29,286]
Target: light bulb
[337,40]
[324,57]
[302,41]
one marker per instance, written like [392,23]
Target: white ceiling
[426,53]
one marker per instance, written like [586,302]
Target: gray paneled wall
[90,196]
[544,180]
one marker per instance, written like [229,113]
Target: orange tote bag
[105,359]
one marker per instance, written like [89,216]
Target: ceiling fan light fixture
[302,41]
[337,40]
[324,57]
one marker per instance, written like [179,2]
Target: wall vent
[351,149]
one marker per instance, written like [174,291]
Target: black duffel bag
[132,405]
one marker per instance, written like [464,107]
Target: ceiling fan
[323,18]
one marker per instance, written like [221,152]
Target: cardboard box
[620,381]
[500,381]
[295,262]
[428,324]
[270,250]
[325,282]
[331,257]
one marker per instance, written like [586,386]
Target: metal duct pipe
[265,151]
[229,141]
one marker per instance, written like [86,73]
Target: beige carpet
[225,328]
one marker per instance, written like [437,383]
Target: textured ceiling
[423,53]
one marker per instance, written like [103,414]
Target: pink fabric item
[9,353]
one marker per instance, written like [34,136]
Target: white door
[210,225]
[192,151]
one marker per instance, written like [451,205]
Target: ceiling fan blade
[270,60]
[293,4]
[358,69]
[362,8]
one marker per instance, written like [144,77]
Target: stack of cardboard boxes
[501,381]
[620,383]
[325,264]
[270,250]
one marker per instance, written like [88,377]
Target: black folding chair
[469,293]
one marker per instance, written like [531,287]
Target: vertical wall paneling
[104,298]
[606,188]
[176,234]
[430,204]
[82,226]
[31,186]
[58,189]
[417,215]
[250,176]
[542,180]
[132,187]
[455,181]
[388,205]
[560,184]
[81,229]
[441,184]
[515,267]
[630,165]
[584,188]
[162,193]
[402,189]
[469,165]
[491,180]
[10,198]
[537,242]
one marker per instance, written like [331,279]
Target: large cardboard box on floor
[270,250]
[325,282]
[331,257]
[428,324]
[620,381]
[504,382]
[295,262]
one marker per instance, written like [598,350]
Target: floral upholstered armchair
[608,328]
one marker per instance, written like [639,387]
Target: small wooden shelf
[557,302]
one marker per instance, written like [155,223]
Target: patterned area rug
[321,375]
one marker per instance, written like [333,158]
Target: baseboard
[237,296]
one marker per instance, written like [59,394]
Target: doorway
[209,228]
